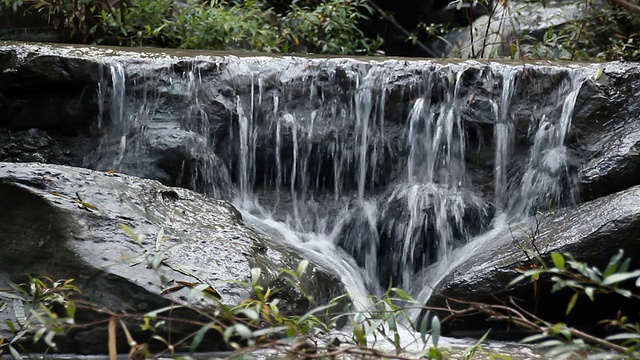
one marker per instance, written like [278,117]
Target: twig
[627,5]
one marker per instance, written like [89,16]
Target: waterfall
[376,171]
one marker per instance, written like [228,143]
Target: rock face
[396,161]
[591,232]
[494,32]
[65,222]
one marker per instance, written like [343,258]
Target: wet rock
[163,151]
[422,222]
[608,138]
[493,33]
[65,222]
[591,232]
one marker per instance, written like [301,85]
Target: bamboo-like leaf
[435,327]
[130,232]
[590,291]
[269,330]
[534,338]
[197,339]
[250,313]
[613,264]
[558,260]
[71,309]
[572,303]
[14,353]
[359,335]
[619,277]
[390,317]
[255,276]
[623,336]
[405,296]
[302,267]
[39,334]
[154,314]
[424,324]
[159,238]
[243,330]
[599,73]
[48,339]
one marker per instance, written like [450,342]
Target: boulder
[607,133]
[592,232]
[493,33]
[65,222]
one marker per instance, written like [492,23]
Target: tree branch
[627,5]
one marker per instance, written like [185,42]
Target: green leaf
[71,309]
[243,330]
[435,335]
[197,339]
[516,280]
[131,233]
[624,292]
[472,349]
[619,277]
[359,335]
[613,264]
[572,303]
[11,326]
[435,353]
[598,73]
[154,314]
[424,324]
[250,313]
[404,296]
[255,276]
[589,291]
[270,330]
[534,338]
[302,267]
[48,339]
[390,317]
[316,310]
[14,353]
[623,336]
[558,260]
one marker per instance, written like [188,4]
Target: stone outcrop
[591,232]
[65,222]
[324,130]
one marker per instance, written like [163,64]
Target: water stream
[376,171]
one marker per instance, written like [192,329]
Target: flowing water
[376,171]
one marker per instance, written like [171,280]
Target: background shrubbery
[329,27]
[604,31]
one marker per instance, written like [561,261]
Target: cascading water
[375,171]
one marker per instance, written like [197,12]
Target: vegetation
[603,31]
[331,26]
[258,323]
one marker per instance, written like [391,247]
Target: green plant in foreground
[52,312]
[566,273]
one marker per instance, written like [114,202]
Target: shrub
[330,27]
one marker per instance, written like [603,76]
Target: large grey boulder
[591,232]
[65,222]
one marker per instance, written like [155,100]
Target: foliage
[332,26]
[256,323]
[589,282]
[52,312]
